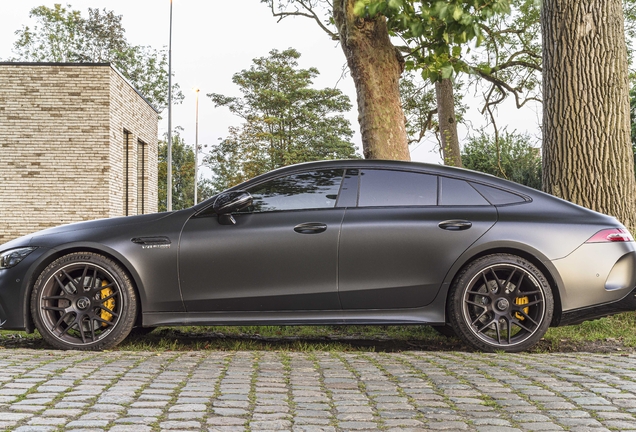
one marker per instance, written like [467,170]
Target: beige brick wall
[60,156]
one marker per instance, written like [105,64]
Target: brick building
[77,142]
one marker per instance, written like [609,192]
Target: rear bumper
[577,316]
[596,274]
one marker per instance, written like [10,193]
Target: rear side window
[498,196]
[454,192]
[382,188]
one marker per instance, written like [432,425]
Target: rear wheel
[83,301]
[501,302]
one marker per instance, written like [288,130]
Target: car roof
[436,169]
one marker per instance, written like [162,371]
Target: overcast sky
[212,40]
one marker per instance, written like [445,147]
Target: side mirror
[230,202]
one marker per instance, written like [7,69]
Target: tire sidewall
[462,283]
[128,299]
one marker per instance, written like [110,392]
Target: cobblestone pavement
[240,391]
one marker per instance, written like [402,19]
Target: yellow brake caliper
[522,301]
[109,304]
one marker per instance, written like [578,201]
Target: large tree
[375,66]
[285,120]
[61,34]
[587,156]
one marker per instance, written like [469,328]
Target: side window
[497,196]
[456,192]
[307,190]
[381,188]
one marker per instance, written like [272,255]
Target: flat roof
[4,63]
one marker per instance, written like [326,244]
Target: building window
[142,176]
[127,139]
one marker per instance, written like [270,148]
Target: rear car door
[406,232]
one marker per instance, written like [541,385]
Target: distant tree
[64,35]
[285,121]
[513,157]
[182,175]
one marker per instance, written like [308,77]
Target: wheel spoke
[532,303]
[59,282]
[115,293]
[526,316]
[71,280]
[69,326]
[60,321]
[84,273]
[497,330]
[53,308]
[104,308]
[520,281]
[61,297]
[496,278]
[103,287]
[481,305]
[512,273]
[101,320]
[518,324]
[80,325]
[485,326]
[479,317]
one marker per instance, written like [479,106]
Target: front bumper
[15,283]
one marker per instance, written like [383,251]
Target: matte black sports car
[341,242]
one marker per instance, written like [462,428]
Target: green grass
[607,334]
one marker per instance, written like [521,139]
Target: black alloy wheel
[83,301]
[501,302]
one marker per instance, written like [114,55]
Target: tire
[500,302]
[83,301]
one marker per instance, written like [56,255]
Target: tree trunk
[447,122]
[376,66]
[587,157]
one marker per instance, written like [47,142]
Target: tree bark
[376,66]
[447,123]
[587,157]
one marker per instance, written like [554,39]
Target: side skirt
[425,315]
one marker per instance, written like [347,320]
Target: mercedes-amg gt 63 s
[338,242]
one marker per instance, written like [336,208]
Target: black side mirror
[230,202]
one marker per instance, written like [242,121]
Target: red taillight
[611,235]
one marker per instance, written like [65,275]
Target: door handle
[455,225]
[310,228]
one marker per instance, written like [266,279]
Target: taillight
[611,235]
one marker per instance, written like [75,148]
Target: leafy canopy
[435,31]
[285,120]
[64,35]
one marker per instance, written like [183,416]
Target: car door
[280,255]
[398,244]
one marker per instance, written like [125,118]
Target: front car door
[280,255]
[399,242]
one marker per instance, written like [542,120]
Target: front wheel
[501,302]
[83,301]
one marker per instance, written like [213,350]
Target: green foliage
[63,35]
[436,32]
[513,158]
[285,121]
[182,175]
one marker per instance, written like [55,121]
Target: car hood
[34,238]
